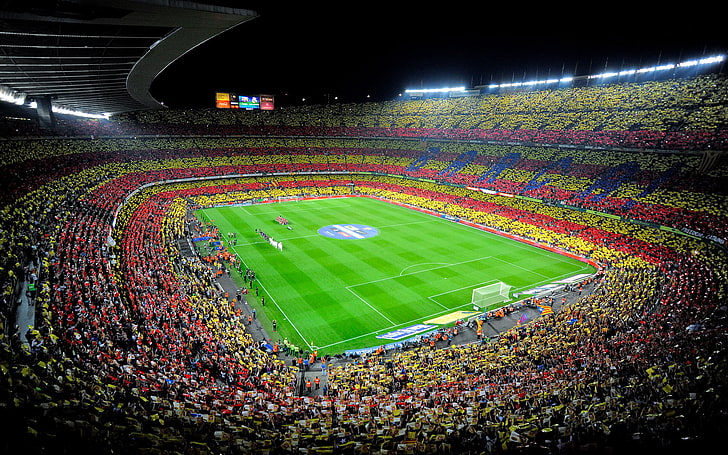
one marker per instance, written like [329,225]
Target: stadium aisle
[25,314]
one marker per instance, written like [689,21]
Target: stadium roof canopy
[100,56]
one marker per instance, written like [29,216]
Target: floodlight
[11,96]
[689,63]
[646,70]
[435,90]
[569,79]
[709,60]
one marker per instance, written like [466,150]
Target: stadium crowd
[673,114]
[133,350]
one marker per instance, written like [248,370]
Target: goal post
[486,298]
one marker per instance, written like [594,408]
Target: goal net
[486,298]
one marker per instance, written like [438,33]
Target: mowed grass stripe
[319,290]
[340,293]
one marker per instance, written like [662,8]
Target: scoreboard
[225,100]
[266,102]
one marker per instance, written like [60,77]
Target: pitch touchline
[519,267]
[519,243]
[407,224]
[279,307]
[394,326]
[349,288]
[402,273]
[419,319]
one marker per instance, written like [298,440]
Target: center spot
[348,231]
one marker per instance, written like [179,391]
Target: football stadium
[531,268]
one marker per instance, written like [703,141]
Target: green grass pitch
[337,294]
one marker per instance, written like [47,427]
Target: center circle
[348,231]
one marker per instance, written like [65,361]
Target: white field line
[348,288]
[518,245]
[290,321]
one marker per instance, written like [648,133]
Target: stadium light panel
[604,75]
[63,110]
[11,96]
[435,90]
[611,74]
[649,69]
[709,60]
[689,63]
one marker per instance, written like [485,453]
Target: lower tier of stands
[131,352]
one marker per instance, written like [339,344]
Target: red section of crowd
[133,352]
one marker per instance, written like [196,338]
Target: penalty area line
[348,288]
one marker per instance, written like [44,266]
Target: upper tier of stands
[680,114]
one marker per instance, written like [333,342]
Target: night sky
[356,54]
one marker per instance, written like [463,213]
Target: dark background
[354,52]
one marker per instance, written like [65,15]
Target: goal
[486,298]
